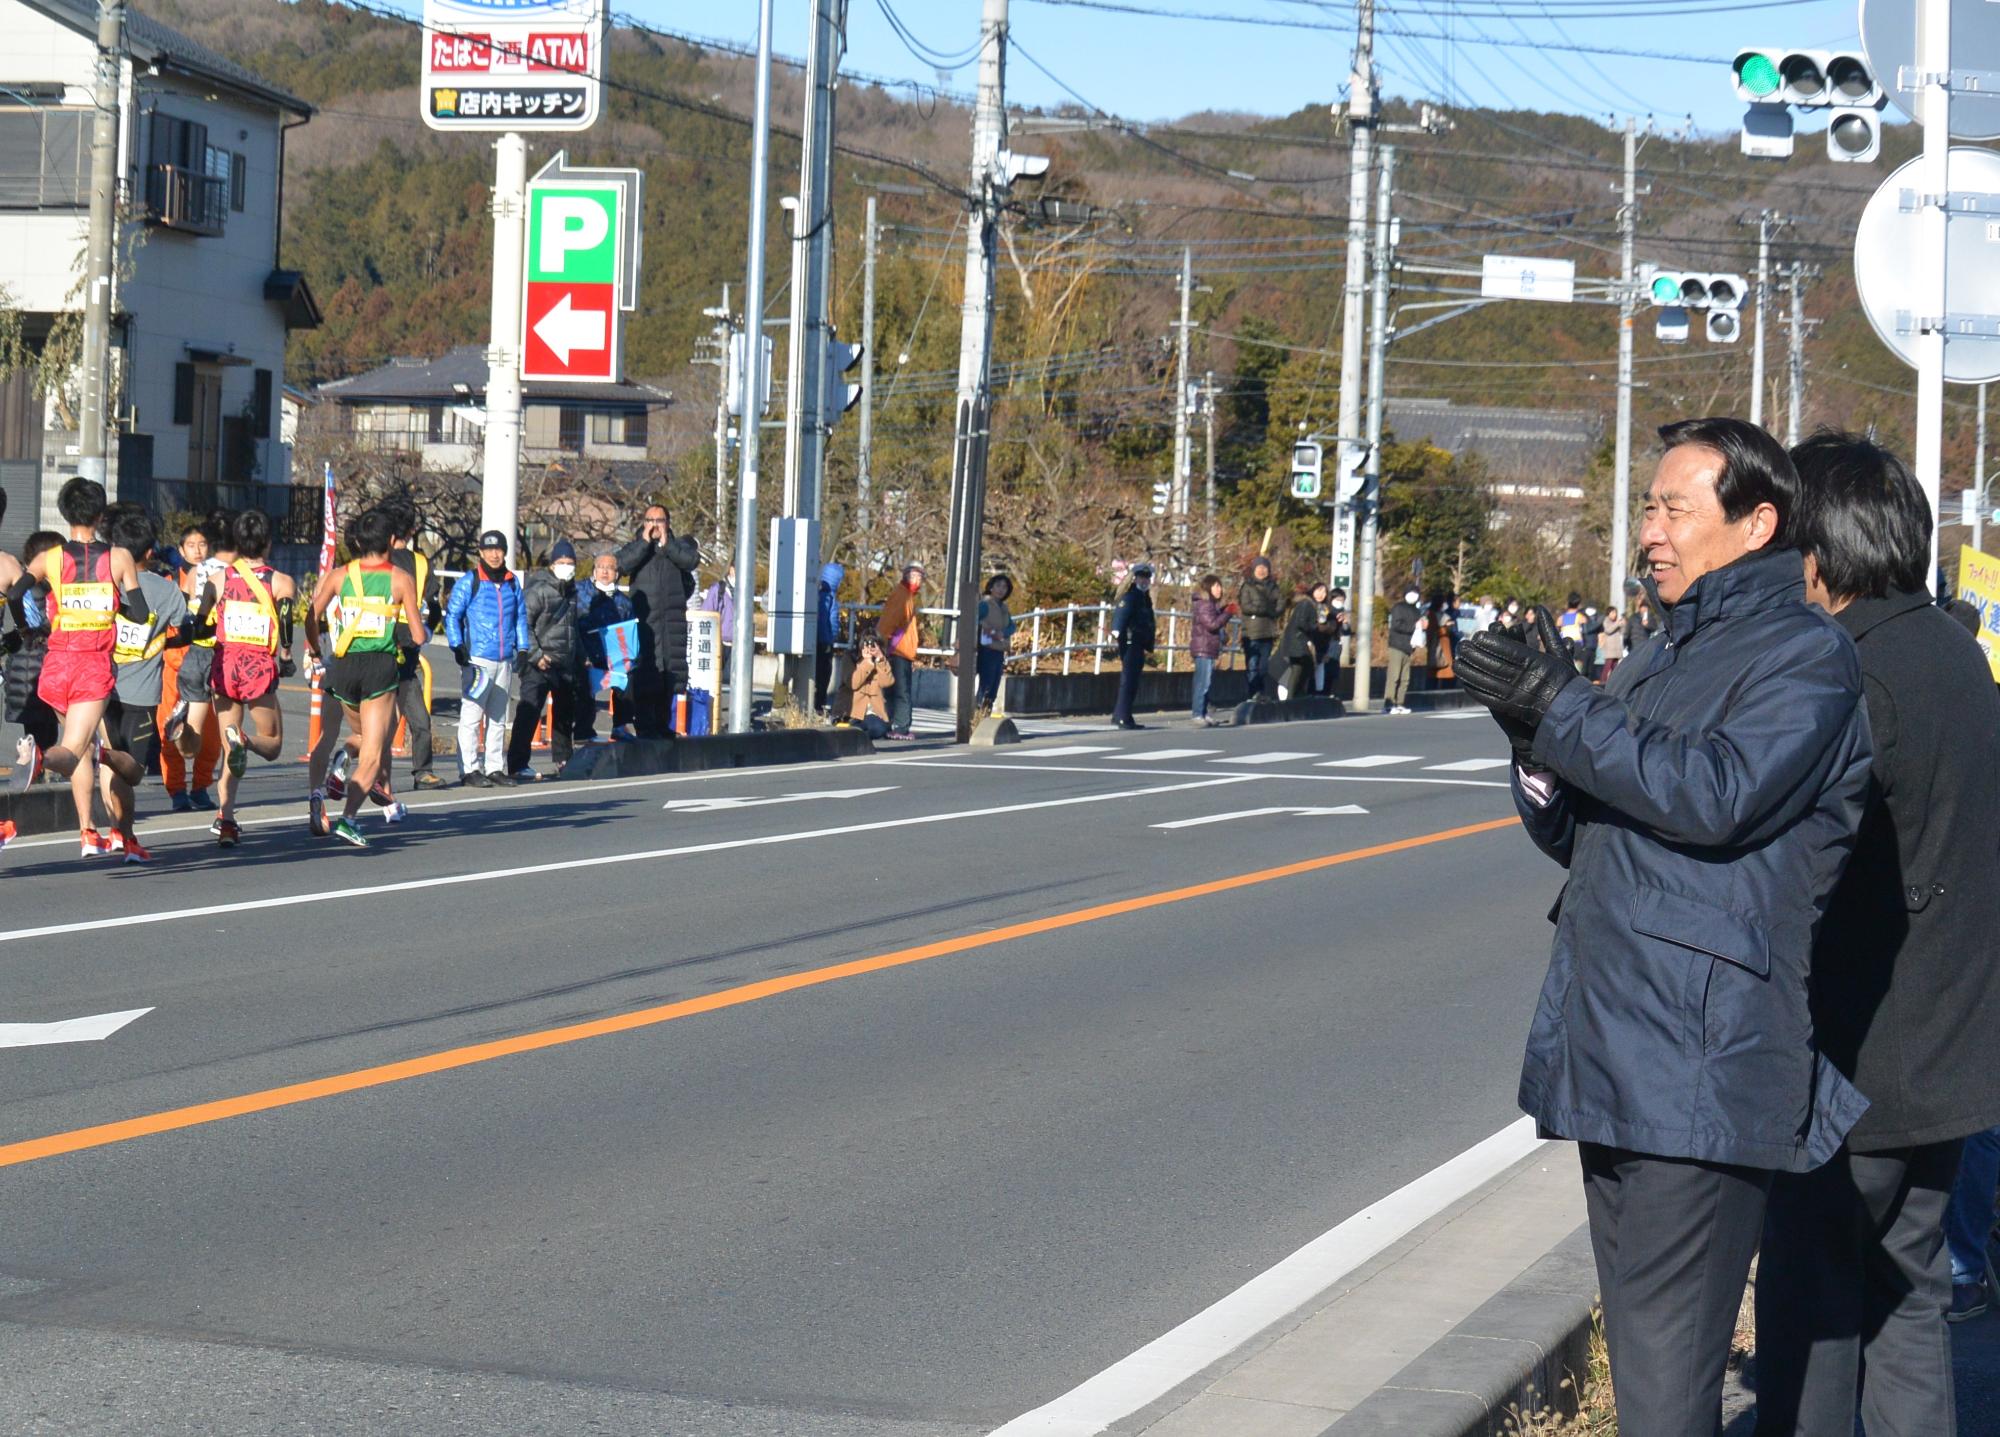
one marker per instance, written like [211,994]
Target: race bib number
[133,639]
[246,624]
[89,599]
[364,625]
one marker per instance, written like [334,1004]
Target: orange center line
[174,1119]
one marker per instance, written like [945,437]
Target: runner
[89,584]
[413,674]
[378,614]
[254,628]
[40,728]
[138,664]
[209,557]
[10,575]
[380,793]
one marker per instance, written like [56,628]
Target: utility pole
[94,417]
[1208,419]
[715,350]
[1628,306]
[1767,222]
[1798,356]
[1183,458]
[1361,131]
[990,173]
[1367,502]
[812,245]
[864,468]
[743,656]
[500,475]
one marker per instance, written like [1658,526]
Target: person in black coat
[1298,652]
[660,566]
[1133,630]
[1854,1280]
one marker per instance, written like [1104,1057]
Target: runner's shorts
[356,678]
[133,729]
[243,675]
[195,669]
[71,677]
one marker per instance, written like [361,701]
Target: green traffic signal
[1757,73]
[1667,290]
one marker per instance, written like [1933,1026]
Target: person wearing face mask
[1334,632]
[899,626]
[1403,619]
[1510,622]
[550,671]
[599,605]
[1134,631]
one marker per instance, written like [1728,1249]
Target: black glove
[1514,680]
[463,654]
[286,668]
[10,642]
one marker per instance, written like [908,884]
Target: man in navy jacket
[1705,803]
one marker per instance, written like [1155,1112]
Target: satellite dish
[1887,282]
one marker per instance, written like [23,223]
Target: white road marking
[1262,813]
[713,805]
[1167,1361]
[1254,759]
[1067,750]
[1476,711]
[297,900]
[1372,760]
[1467,765]
[93,1029]
[1165,755]
[922,761]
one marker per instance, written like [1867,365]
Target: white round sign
[1888,236]
[1889,38]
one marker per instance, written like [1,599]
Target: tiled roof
[460,374]
[1513,442]
[151,40]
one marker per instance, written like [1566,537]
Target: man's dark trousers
[416,717]
[1851,1294]
[902,694]
[653,700]
[1256,661]
[1673,1240]
[560,689]
[1131,664]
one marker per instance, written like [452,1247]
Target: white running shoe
[396,812]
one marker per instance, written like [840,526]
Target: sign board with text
[704,655]
[512,64]
[1517,276]
[582,273]
[1979,586]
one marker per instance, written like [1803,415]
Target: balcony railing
[184,200]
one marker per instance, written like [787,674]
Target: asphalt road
[898,1105]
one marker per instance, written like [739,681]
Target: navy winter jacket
[1706,801]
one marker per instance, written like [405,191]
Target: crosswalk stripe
[1372,760]
[1261,758]
[1068,750]
[1467,765]
[1164,755]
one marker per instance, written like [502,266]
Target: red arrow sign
[570,331]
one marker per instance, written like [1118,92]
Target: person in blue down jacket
[826,639]
[1705,802]
[486,625]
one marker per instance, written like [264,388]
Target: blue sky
[1150,67]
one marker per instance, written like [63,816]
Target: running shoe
[170,731]
[215,829]
[316,815]
[203,800]
[94,844]
[27,763]
[7,831]
[379,794]
[227,833]
[238,760]
[396,812]
[135,851]
[336,777]
[346,832]
[182,803]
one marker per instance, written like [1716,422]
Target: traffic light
[1352,465]
[1306,459]
[1771,79]
[1694,289]
[1672,325]
[1854,135]
[1163,495]
[1767,132]
[840,396]
[1725,326]
[1755,73]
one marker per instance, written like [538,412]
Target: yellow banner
[1979,586]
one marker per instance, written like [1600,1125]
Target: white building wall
[41,51]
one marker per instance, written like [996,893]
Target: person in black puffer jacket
[660,566]
[1136,634]
[1297,654]
[552,668]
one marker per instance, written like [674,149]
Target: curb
[1261,711]
[45,808]
[645,757]
[1517,1350]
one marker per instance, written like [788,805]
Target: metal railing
[186,200]
[1092,621]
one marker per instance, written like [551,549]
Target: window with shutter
[260,401]
[569,429]
[183,393]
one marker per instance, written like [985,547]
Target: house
[434,410]
[1529,453]
[202,304]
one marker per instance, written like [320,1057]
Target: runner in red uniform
[10,574]
[253,650]
[90,584]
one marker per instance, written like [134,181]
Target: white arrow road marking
[94,1029]
[1344,808]
[712,805]
[565,329]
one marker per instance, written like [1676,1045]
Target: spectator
[1510,621]
[1854,1281]
[1259,602]
[660,566]
[1298,653]
[1643,625]
[413,682]
[1703,825]
[826,638]
[39,723]
[862,699]
[1209,622]
[552,668]
[184,778]
[486,627]
[901,625]
[1586,653]
[1333,640]
[1968,1226]
[1610,644]
[1132,629]
[719,598]
[600,604]
[996,630]
[1403,617]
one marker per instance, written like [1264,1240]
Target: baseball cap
[493,539]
